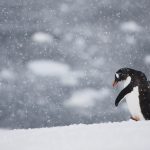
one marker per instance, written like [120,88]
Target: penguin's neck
[127,81]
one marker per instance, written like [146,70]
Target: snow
[48,68]
[130,26]
[7,74]
[80,43]
[130,40]
[106,136]
[87,41]
[42,37]
[62,71]
[147,59]
[87,97]
[64,8]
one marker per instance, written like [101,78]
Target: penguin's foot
[135,118]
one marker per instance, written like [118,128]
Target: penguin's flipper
[122,94]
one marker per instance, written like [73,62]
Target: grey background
[87,35]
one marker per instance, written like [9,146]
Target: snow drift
[108,136]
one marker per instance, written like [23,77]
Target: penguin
[136,91]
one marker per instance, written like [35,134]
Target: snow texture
[147,59]
[47,68]
[58,59]
[107,136]
[130,26]
[87,97]
[41,37]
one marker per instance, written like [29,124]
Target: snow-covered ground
[107,136]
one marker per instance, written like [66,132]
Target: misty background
[58,59]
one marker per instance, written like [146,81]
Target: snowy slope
[108,136]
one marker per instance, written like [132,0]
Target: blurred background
[58,59]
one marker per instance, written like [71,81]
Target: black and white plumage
[136,91]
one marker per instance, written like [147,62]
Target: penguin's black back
[144,98]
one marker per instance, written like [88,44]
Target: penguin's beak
[114,83]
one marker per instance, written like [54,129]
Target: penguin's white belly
[133,103]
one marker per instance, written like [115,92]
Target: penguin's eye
[117,75]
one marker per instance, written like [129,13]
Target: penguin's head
[121,75]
